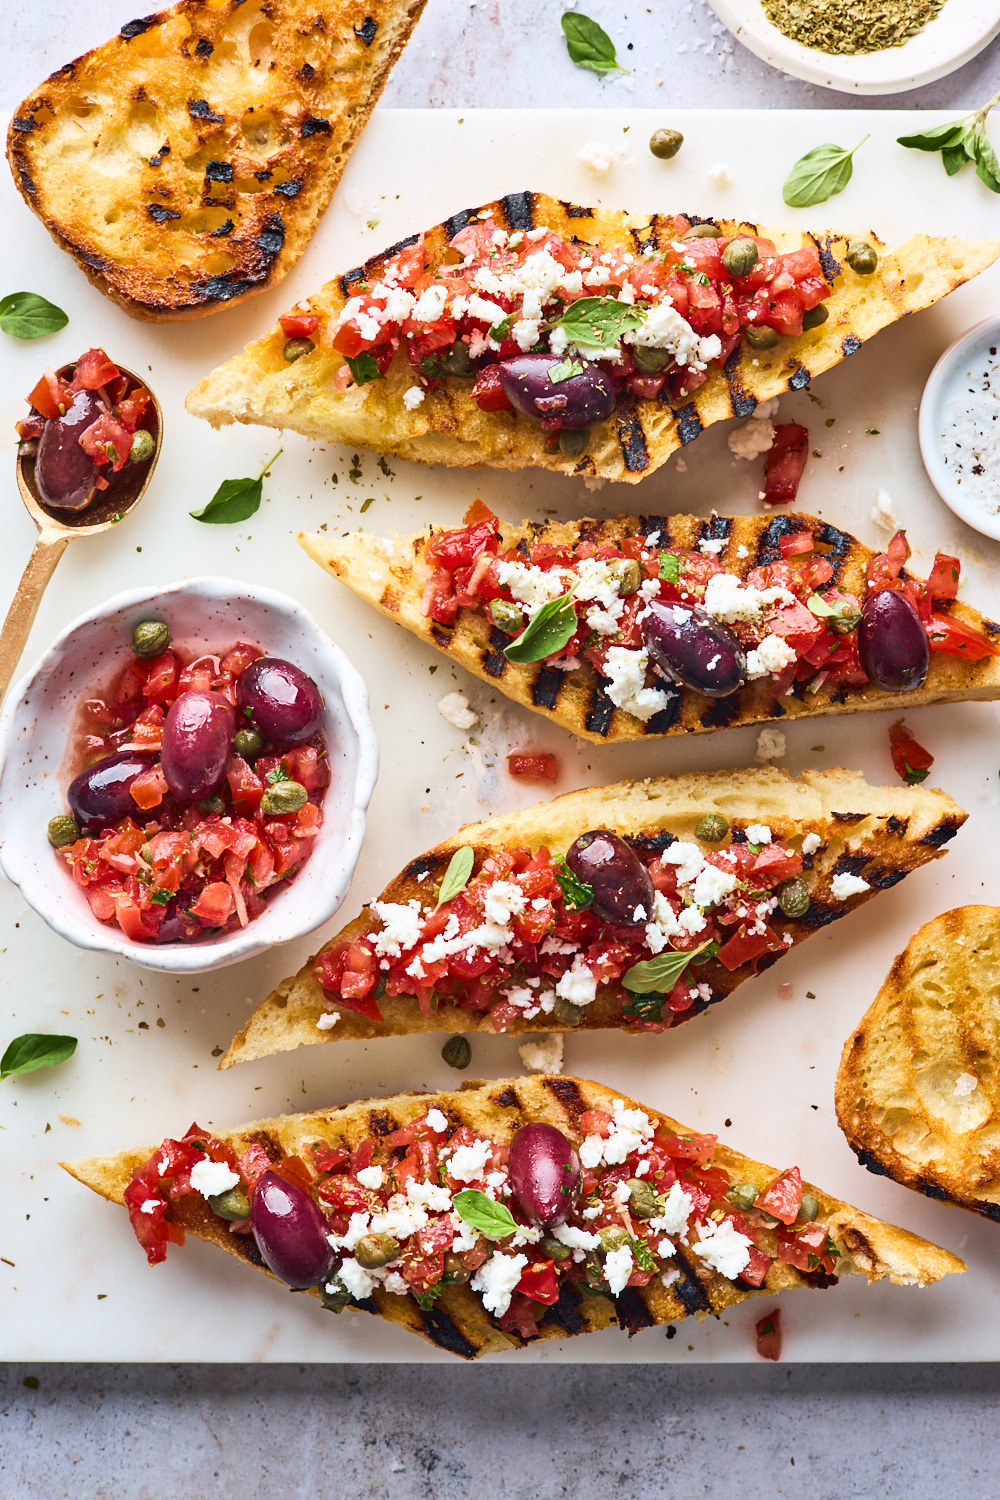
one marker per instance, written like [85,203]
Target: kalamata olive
[694,649]
[892,642]
[623,890]
[100,795]
[579,401]
[544,1174]
[197,744]
[290,1231]
[65,475]
[285,705]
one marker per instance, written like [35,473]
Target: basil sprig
[25,315]
[660,974]
[599,322]
[670,567]
[961,141]
[484,1214]
[589,45]
[364,368]
[456,877]
[235,499]
[822,172]
[576,893]
[33,1050]
[548,630]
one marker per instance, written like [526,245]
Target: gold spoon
[57,528]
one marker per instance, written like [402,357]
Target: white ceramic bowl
[203,614]
[941,383]
[958,32]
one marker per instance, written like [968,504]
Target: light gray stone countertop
[95,1432]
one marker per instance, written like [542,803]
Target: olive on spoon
[66,504]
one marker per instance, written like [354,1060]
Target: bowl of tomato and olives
[184,776]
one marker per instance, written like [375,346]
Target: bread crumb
[69,1120]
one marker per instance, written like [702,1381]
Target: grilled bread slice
[391,575]
[880,833]
[186,163]
[458,1321]
[918,1093]
[258,386]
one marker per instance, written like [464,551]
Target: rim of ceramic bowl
[218,952]
[960,30]
[929,426]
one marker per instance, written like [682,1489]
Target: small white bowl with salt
[959,427]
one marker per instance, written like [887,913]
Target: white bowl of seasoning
[39,755]
[958,32]
[959,427]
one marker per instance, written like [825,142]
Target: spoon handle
[21,615]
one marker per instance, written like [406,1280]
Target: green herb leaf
[819,606]
[235,499]
[599,322]
[456,877]
[659,975]
[564,371]
[589,45]
[275,774]
[161,898]
[935,138]
[501,330]
[364,368]
[954,158]
[642,1255]
[987,166]
[647,1007]
[367,503]
[576,893]
[822,172]
[25,315]
[548,630]
[914,778]
[31,1051]
[427,1299]
[670,567]
[492,1219]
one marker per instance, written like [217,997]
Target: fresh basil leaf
[819,606]
[589,45]
[987,166]
[645,1007]
[564,371]
[364,368]
[934,139]
[643,1255]
[659,975]
[33,1050]
[235,499]
[490,1218]
[599,322]
[548,630]
[914,778]
[456,877]
[822,172]
[576,893]
[25,315]
[670,567]
[955,158]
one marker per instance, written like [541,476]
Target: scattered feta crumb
[883,513]
[355,1278]
[328,1020]
[723,1247]
[575,1239]
[437,1121]
[469,1162]
[496,1279]
[848,885]
[211,1177]
[597,157]
[371,1177]
[758,833]
[676,1211]
[413,397]
[544,1055]
[455,708]
[719,174]
[811,843]
[578,984]
[965,1084]
[751,438]
[771,744]
[618,1267]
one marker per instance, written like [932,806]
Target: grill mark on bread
[631,435]
[547,687]
[565,1311]
[721,711]
[567,1095]
[381,1122]
[688,1288]
[663,721]
[715,529]
[828,261]
[600,710]
[841,545]
[443,1331]
[632,1313]
[494,662]
[769,540]
[945,830]
[506,1099]
[518,210]
[800,377]
[741,402]
[850,345]
[273,1147]
[689,424]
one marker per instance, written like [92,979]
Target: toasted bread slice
[881,832]
[391,575]
[918,1091]
[258,386]
[458,1321]
[185,163]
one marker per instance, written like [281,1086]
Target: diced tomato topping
[299,325]
[539,1282]
[947,634]
[796,543]
[784,463]
[769,1335]
[214,904]
[944,576]
[149,789]
[162,676]
[93,370]
[783,1199]
[107,441]
[535,765]
[488,393]
[911,760]
[439,602]
[50,396]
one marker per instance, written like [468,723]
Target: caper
[761,337]
[506,616]
[712,828]
[743,1195]
[593,1273]
[809,1208]
[63,830]
[150,638]
[233,1204]
[612,1237]
[701,232]
[649,361]
[793,897]
[454,1271]
[665,144]
[283,797]
[456,1052]
[143,447]
[295,348]
[847,618]
[248,743]
[456,359]
[740,256]
[553,1248]
[566,1013]
[374,1250]
[643,1200]
[861,257]
[334,1295]
[814,316]
[573,442]
[209,805]
[627,574]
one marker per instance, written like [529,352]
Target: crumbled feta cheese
[437,1121]
[469,1162]
[729,599]
[691,920]
[664,328]
[413,397]
[592,1151]
[575,1239]
[597,157]
[455,708]
[687,857]
[676,1211]
[396,1284]
[425,1194]
[773,654]
[504,900]
[751,438]
[544,1055]
[712,886]
[357,1227]
[211,1177]
[355,1278]
[965,1084]
[152,1204]
[629,1128]
[401,1219]
[401,926]
[758,833]
[771,744]
[618,1267]
[328,1020]
[431,303]
[531,586]
[719,174]
[811,843]
[723,1247]
[578,984]
[844,885]
[883,513]
[370,1177]
[496,1279]
[621,1193]
[626,673]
